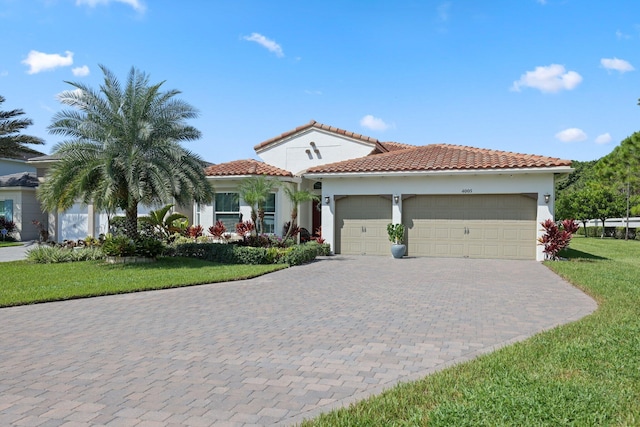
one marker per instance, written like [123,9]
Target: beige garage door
[474,226]
[361,225]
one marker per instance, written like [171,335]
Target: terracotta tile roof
[245,167]
[436,157]
[393,146]
[314,124]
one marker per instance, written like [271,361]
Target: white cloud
[605,138]
[39,61]
[552,78]
[443,11]
[616,64]
[313,92]
[80,71]
[571,135]
[270,45]
[543,2]
[137,5]
[622,36]
[373,123]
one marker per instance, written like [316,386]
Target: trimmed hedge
[235,254]
[613,232]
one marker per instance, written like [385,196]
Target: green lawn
[22,282]
[7,244]
[582,374]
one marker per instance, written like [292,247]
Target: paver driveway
[271,350]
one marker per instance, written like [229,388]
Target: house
[455,201]
[79,221]
[18,201]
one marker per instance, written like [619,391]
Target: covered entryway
[361,225]
[474,226]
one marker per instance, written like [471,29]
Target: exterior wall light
[327,200]
[396,199]
[547,197]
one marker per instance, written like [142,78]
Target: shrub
[218,230]
[322,249]
[556,238]
[11,228]
[300,254]
[250,255]
[149,247]
[119,246]
[214,252]
[195,231]
[45,254]
[236,254]
[244,228]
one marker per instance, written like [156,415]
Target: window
[270,214]
[6,209]
[227,209]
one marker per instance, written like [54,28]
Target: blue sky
[553,77]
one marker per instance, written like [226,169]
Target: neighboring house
[18,201]
[455,201]
[80,220]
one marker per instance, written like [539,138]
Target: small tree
[606,203]
[296,197]
[577,205]
[255,192]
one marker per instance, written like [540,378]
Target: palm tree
[296,197]
[255,192]
[12,144]
[124,149]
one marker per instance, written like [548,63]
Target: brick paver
[271,350]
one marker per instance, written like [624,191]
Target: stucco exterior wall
[11,166]
[297,153]
[30,210]
[535,183]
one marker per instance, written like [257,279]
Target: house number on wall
[467,190]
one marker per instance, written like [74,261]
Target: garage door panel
[477,226]
[361,223]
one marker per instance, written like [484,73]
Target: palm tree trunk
[131,222]
[261,219]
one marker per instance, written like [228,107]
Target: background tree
[124,149]
[255,192]
[606,203]
[576,205]
[621,170]
[296,197]
[12,143]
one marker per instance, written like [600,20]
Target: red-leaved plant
[218,230]
[243,228]
[556,238]
[195,231]
[318,236]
